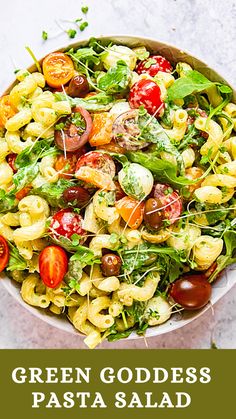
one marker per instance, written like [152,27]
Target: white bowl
[228,278]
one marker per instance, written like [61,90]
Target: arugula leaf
[24,176]
[52,192]
[166,260]
[114,335]
[193,82]
[230,254]
[8,201]
[16,261]
[85,256]
[85,55]
[96,103]
[116,80]
[31,154]
[163,170]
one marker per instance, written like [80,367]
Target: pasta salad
[117,187]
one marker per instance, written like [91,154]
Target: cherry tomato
[53,265]
[98,161]
[78,86]
[11,158]
[58,69]
[7,110]
[111,264]
[23,192]
[147,93]
[65,223]
[152,217]
[4,253]
[170,200]
[101,132]
[66,165]
[125,131]
[96,168]
[131,211]
[153,65]
[76,131]
[191,291]
[76,196]
[113,147]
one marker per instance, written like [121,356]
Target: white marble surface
[206,28]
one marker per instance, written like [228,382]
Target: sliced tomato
[126,131]
[4,253]
[7,110]
[113,147]
[147,93]
[53,265]
[65,223]
[66,165]
[170,200]
[58,69]
[23,192]
[101,132]
[11,158]
[131,211]
[153,65]
[98,161]
[76,130]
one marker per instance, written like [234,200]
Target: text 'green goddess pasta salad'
[117,187]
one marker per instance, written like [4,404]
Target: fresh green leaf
[44,35]
[16,261]
[71,33]
[97,103]
[193,82]
[85,256]
[141,53]
[33,153]
[53,192]
[24,176]
[116,80]
[163,170]
[223,88]
[83,25]
[229,257]
[114,335]
[8,201]
[84,9]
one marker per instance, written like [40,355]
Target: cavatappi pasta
[117,187]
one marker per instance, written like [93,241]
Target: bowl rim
[122,39]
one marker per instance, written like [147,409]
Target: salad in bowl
[117,187]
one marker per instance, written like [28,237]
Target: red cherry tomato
[170,200]
[11,158]
[147,93]
[153,65]
[98,161]
[65,223]
[53,265]
[76,131]
[191,291]
[4,253]
[66,165]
